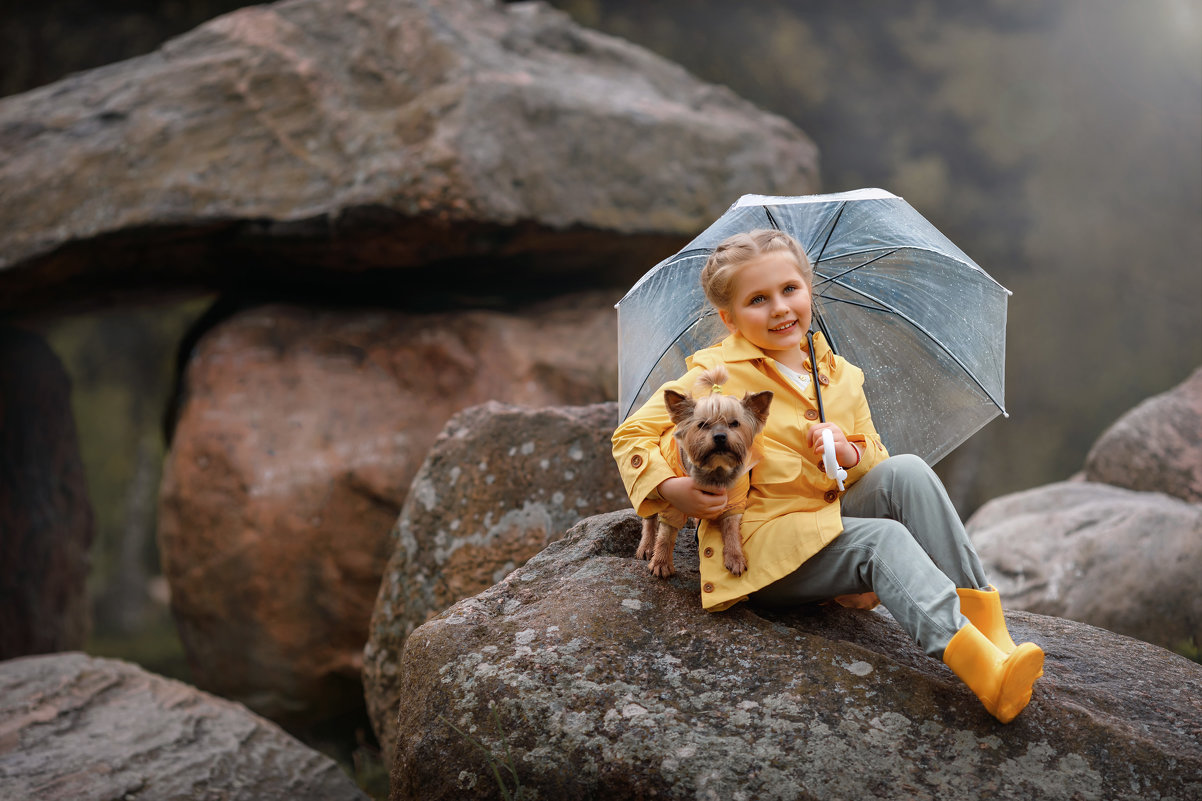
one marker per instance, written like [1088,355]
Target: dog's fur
[713,435]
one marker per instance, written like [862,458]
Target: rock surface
[46,521]
[604,682]
[1155,447]
[1115,558]
[297,438]
[79,728]
[499,484]
[279,144]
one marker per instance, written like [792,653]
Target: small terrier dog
[712,443]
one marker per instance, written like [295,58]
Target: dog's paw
[736,563]
[662,568]
[644,552]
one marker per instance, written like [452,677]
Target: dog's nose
[719,438]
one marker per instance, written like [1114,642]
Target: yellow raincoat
[792,508]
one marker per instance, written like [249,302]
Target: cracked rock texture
[604,682]
[80,728]
[333,143]
[499,484]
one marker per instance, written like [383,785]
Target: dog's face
[715,433]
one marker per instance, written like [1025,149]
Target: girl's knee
[907,467]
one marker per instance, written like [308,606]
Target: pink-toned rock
[46,523]
[298,436]
[79,728]
[499,485]
[1122,560]
[1155,447]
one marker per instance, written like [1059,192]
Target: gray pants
[903,540]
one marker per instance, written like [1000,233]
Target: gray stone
[80,728]
[1115,558]
[499,484]
[328,141]
[602,681]
[46,520]
[1155,447]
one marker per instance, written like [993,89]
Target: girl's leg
[878,555]
[905,489]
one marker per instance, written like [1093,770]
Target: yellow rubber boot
[1002,681]
[983,608]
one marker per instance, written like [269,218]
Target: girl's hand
[686,496]
[846,454]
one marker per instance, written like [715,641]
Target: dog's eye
[733,423]
[702,424]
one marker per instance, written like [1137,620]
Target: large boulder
[1123,560]
[1155,447]
[80,728]
[46,521]
[499,484]
[298,435]
[592,679]
[280,144]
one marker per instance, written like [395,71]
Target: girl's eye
[757,299]
[790,289]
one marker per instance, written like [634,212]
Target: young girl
[893,532]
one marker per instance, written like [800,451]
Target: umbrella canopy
[892,295]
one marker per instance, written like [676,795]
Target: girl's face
[770,304]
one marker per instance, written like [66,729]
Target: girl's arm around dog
[636,448]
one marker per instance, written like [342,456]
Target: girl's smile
[770,307]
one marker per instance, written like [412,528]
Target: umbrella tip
[1006,414]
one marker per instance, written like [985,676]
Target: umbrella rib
[887,307]
[835,278]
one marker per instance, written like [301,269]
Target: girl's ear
[728,321]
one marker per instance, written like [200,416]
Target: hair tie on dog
[716,389]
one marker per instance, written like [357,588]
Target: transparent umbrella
[892,295]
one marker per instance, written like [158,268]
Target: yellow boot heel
[1003,682]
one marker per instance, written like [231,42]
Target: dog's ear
[680,407]
[758,405]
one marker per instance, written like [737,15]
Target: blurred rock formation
[79,728]
[46,521]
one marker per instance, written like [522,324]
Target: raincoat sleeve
[863,433]
[636,449]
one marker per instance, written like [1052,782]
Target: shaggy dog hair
[713,438]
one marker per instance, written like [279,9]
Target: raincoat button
[708,587]
[709,552]
[636,461]
[830,496]
[823,380]
[811,414]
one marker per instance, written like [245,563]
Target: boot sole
[1019,673]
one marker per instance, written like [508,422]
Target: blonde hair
[718,275]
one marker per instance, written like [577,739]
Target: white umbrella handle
[829,461]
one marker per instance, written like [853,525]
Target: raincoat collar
[737,348]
